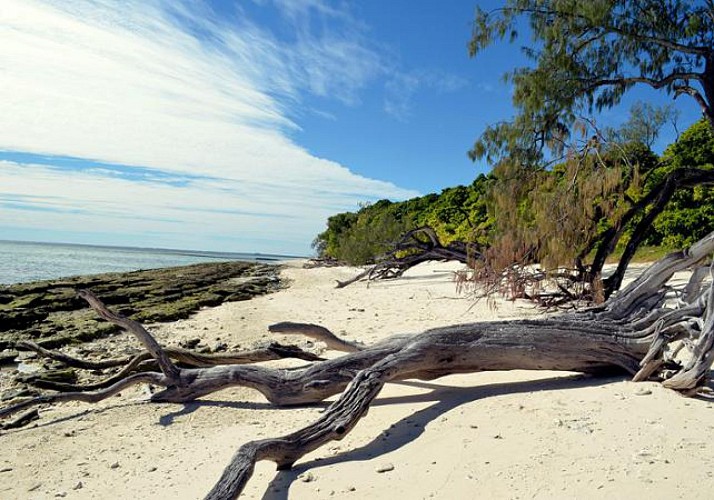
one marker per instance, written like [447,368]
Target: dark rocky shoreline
[50,313]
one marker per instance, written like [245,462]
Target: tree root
[87,397]
[317,332]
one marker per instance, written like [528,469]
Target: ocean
[28,261]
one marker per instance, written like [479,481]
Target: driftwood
[639,331]
[560,289]
[144,361]
[415,247]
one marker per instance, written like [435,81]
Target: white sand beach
[501,435]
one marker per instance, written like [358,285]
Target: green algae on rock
[51,314]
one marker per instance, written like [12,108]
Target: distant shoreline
[179,251]
[29,261]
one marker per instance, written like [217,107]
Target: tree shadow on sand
[188,408]
[412,426]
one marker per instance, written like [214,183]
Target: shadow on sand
[411,427]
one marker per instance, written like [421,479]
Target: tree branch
[654,83]
[663,42]
[156,351]
[691,91]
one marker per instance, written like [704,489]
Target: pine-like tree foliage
[586,55]
[555,216]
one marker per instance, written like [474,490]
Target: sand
[488,435]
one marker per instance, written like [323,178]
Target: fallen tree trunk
[634,332]
[143,361]
[413,248]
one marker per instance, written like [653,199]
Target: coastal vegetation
[600,203]
[554,175]
[458,213]
[613,176]
[562,192]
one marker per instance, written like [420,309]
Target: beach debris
[220,347]
[47,378]
[142,361]
[22,392]
[190,343]
[8,357]
[643,391]
[385,468]
[306,477]
[22,420]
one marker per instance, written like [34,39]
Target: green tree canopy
[643,125]
[456,214]
[690,214]
[586,56]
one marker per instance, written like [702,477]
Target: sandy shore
[488,435]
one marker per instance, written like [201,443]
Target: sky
[238,125]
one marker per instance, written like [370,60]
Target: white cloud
[402,87]
[165,85]
[335,59]
[183,214]
[400,92]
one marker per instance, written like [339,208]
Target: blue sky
[238,125]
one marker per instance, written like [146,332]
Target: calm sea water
[21,261]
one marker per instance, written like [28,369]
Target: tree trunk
[632,333]
[413,248]
[656,200]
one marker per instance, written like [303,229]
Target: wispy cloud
[399,95]
[328,50]
[240,211]
[402,87]
[164,90]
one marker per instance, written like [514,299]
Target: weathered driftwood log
[636,331]
[143,361]
[414,247]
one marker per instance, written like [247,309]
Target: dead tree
[415,247]
[641,331]
[144,361]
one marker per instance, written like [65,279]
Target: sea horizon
[27,261]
